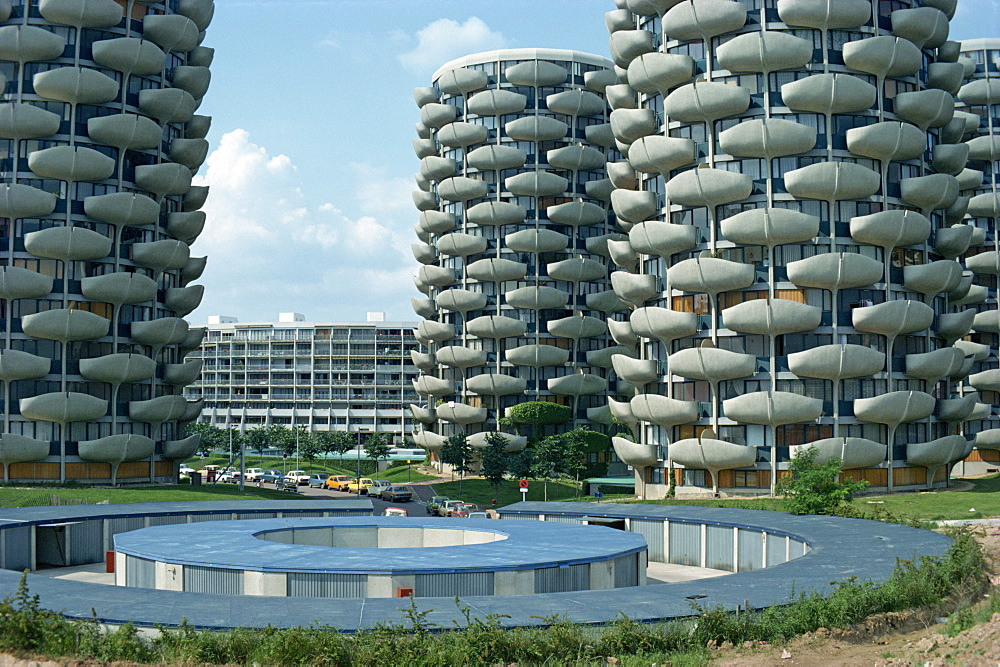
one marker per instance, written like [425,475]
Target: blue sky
[311,165]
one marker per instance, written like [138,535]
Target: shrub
[540,413]
[813,488]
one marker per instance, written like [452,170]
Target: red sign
[523,484]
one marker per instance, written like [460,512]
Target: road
[416,507]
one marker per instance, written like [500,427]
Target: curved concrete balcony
[622,176]
[764,51]
[937,453]
[537,356]
[577,384]
[710,275]
[577,270]
[462,188]
[191,341]
[436,276]
[163,179]
[631,125]
[423,130]
[935,278]
[428,440]
[772,408]
[986,380]
[424,147]
[656,154]
[634,454]
[927,27]
[891,229]
[495,213]
[178,450]
[600,415]
[712,455]
[637,372]
[577,327]
[422,414]
[75,85]
[536,298]
[435,168]
[661,238]
[189,152]
[634,206]
[598,245]
[840,15]
[514,443]
[63,407]
[622,333]
[27,43]
[536,241]
[711,364]
[985,321]
[123,367]
[963,287]
[663,411]
[186,226]
[536,128]
[117,448]
[829,94]
[65,325]
[853,452]
[16,448]
[496,327]
[536,184]
[952,326]
[988,439]
[893,318]
[887,141]
[163,255]
[459,413]
[424,362]
[769,226]
[456,356]
[955,213]
[157,410]
[604,357]
[172,32]
[461,81]
[436,115]
[461,245]
[835,271]
[659,72]
[193,270]
[435,331]
[622,411]
[496,157]
[159,332]
[627,45]
[183,374]
[183,300]
[460,300]
[425,308]
[836,362]
[605,302]
[926,108]
[601,135]
[575,103]
[980,92]
[894,408]
[623,255]
[125,130]
[126,209]
[436,222]
[496,103]
[706,101]
[767,138]
[67,243]
[932,366]
[772,317]
[428,385]
[985,148]
[953,241]
[130,55]
[635,288]
[978,351]
[600,189]
[168,105]
[883,56]
[986,205]
[830,181]
[929,192]
[71,163]
[709,187]
[576,213]
[495,384]
[710,18]
[192,78]
[536,73]
[20,283]
[23,201]
[950,158]
[575,158]
[963,372]
[496,270]
[955,410]
[19,365]
[663,324]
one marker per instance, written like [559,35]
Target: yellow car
[359,486]
[338,482]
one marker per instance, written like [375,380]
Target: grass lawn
[480,492]
[944,505]
[329,466]
[11,496]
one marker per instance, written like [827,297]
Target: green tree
[256,439]
[376,447]
[538,415]
[334,442]
[494,461]
[212,437]
[307,444]
[458,453]
[813,488]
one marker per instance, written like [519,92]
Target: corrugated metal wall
[775,550]
[122,525]
[559,518]
[519,517]
[685,544]
[652,530]
[719,548]
[195,518]
[323,585]
[243,516]
[301,515]
[796,549]
[51,546]
[560,579]
[627,571]
[450,585]
[751,550]
[87,542]
[167,520]
[17,548]
[139,572]
[198,579]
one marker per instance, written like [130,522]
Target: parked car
[395,511]
[317,480]
[434,503]
[185,470]
[479,515]
[359,486]
[253,474]
[229,476]
[394,494]
[300,476]
[378,486]
[271,476]
[287,484]
[464,509]
[338,482]
[448,506]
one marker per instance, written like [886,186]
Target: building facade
[795,174]
[515,236]
[325,376]
[98,144]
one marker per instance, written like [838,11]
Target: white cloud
[271,249]
[445,39]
